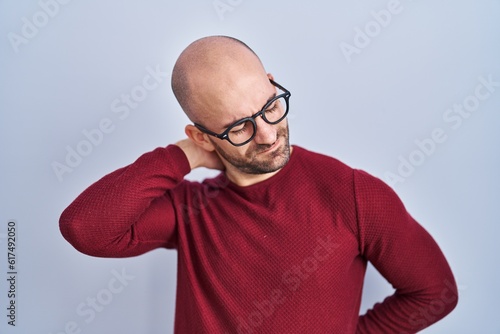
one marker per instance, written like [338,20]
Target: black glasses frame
[225,134]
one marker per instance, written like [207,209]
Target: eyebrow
[231,123]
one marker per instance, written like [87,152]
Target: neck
[245,180]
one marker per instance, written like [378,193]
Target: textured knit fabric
[286,255]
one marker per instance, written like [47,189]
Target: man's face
[254,158]
[269,150]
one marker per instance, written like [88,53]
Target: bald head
[208,72]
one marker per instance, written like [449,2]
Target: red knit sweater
[286,255]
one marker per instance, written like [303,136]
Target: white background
[367,109]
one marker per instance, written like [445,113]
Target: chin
[269,162]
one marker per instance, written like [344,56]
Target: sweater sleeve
[129,211]
[407,256]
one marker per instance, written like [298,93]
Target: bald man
[279,241]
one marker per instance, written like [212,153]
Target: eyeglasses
[243,131]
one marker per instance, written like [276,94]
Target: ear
[270,76]
[198,137]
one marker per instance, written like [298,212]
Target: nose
[266,133]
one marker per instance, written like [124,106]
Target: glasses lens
[242,132]
[276,110]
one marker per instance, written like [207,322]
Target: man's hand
[198,157]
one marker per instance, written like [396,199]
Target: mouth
[274,146]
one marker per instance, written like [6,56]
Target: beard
[254,163]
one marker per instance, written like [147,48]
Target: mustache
[262,147]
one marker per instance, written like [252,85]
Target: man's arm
[129,211]
[407,256]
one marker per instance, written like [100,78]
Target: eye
[272,108]
[239,129]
